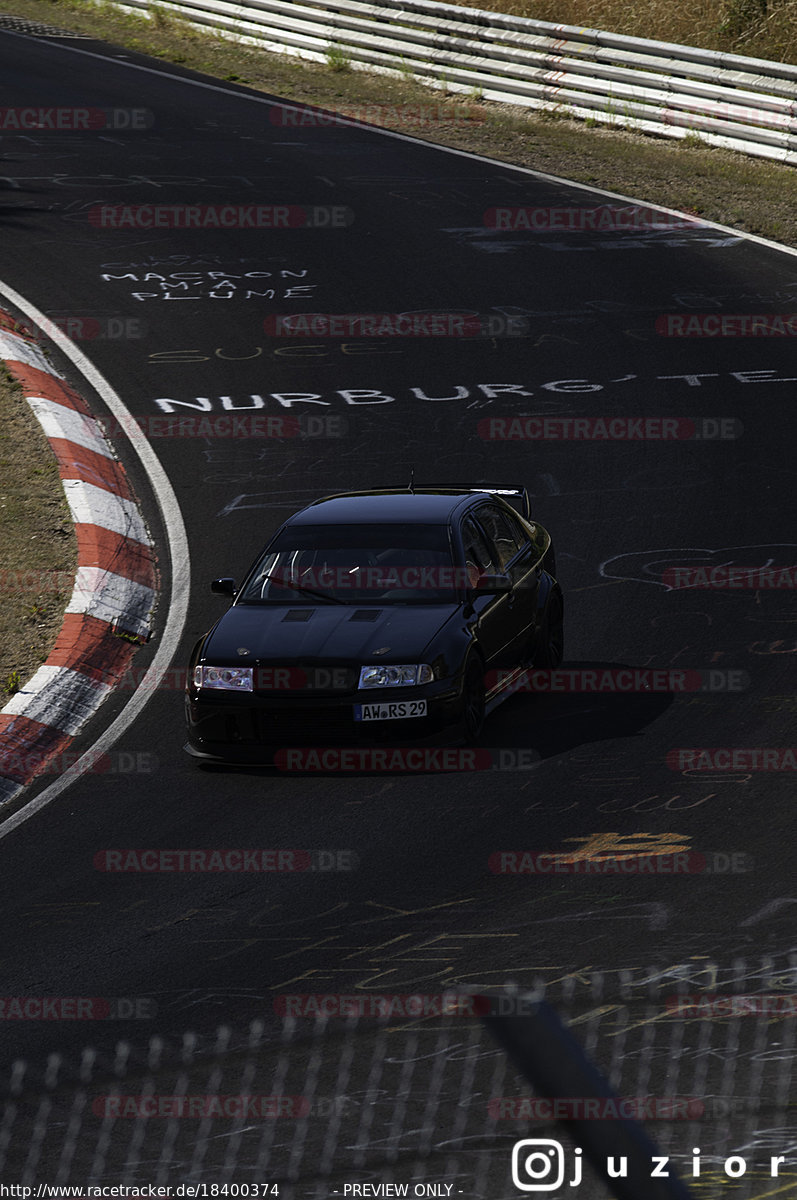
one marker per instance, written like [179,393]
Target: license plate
[391,710]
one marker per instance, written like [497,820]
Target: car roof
[421,507]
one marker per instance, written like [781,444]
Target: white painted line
[16,348]
[58,421]
[175,607]
[112,598]
[58,697]
[91,505]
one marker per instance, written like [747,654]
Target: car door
[494,621]
[518,558]
[481,559]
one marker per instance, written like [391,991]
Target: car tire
[550,640]
[473,700]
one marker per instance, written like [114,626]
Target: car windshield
[359,564]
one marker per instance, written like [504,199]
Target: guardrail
[739,103]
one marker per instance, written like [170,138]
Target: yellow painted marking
[599,847]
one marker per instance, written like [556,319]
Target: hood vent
[298,614]
[366,614]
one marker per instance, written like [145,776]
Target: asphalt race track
[417,908]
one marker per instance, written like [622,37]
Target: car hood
[282,634]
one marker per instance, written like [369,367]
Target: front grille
[307,726]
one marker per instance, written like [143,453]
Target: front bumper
[247,729]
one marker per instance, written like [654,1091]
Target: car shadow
[546,724]
[554,722]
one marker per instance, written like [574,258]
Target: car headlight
[390,676]
[226,679]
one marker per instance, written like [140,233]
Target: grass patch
[13,683]
[39,548]
[759,28]
[338,58]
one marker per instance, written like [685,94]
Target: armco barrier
[744,104]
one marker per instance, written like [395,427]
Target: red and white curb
[115,588]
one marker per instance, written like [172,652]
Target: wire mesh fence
[334,1097]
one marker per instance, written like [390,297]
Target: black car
[391,615]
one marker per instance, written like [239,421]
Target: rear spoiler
[517,496]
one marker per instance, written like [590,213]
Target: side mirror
[223,587]
[497,585]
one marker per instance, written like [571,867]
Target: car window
[518,532]
[479,558]
[508,541]
[360,564]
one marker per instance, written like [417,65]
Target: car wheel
[473,701]
[550,642]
